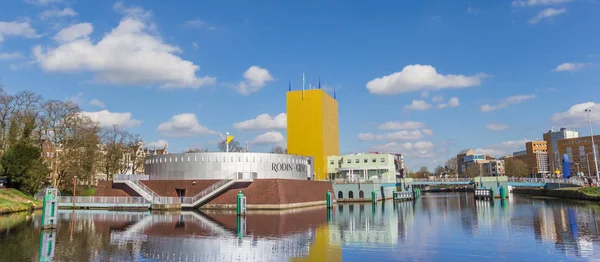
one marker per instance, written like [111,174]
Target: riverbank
[12,200]
[577,193]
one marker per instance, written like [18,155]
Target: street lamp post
[588,111]
[587,159]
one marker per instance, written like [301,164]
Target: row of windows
[349,161]
[216,159]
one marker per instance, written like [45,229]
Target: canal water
[436,227]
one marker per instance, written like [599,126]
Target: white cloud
[159,144]
[530,3]
[77,99]
[577,117]
[14,28]
[263,121]
[419,149]
[473,10]
[418,105]
[427,131]
[198,24]
[107,119]
[269,138]
[195,45]
[437,99]
[74,32]
[53,13]
[452,102]
[130,54]
[6,56]
[504,148]
[254,79]
[506,102]
[43,2]
[183,125]
[399,135]
[420,77]
[425,94]
[96,102]
[133,11]
[394,125]
[546,14]
[496,126]
[571,67]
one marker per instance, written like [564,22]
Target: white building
[365,166]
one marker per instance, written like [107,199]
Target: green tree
[24,168]
[515,168]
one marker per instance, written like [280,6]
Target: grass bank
[12,200]
[579,193]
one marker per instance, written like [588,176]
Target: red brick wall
[107,188]
[260,191]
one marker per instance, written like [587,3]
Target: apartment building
[494,168]
[580,154]
[535,156]
[552,137]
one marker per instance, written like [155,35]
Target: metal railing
[575,181]
[208,190]
[102,200]
[461,179]
[145,188]
[130,177]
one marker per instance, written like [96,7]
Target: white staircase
[211,191]
[140,188]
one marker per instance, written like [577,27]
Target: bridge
[512,181]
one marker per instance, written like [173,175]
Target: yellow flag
[229,138]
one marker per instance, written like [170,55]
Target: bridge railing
[102,200]
[461,179]
[575,181]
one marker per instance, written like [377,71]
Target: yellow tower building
[312,127]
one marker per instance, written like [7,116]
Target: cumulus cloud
[6,56]
[14,28]
[420,77]
[511,100]
[576,115]
[530,3]
[263,121]
[55,13]
[106,118]
[571,67]
[547,14]
[427,131]
[198,24]
[425,94]
[419,149]
[269,138]
[504,148]
[394,125]
[399,135]
[130,54]
[42,2]
[496,126]
[452,102]
[418,105]
[183,125]
[159,144]
[74,32]
[255,78]
[96,102]
[437,99]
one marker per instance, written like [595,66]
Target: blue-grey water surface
[436,227]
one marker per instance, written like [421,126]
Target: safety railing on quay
[145,188]
[575,180]
[208,190]
[102,200]
[461,179]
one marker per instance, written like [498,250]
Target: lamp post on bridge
[588,111]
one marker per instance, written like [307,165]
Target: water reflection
[437,226]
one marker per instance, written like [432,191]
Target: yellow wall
[322,249]
[312,127]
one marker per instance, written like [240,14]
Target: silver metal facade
[221,165]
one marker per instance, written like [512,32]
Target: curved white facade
[221,165]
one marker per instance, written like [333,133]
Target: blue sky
[446,75]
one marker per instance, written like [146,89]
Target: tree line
[49,142]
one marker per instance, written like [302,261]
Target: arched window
[361,194]
[350,194]
[340,194]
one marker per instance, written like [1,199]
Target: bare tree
[278,150]
[473,170]
[116,143]
[234,146]
[196,150]
[451,165]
